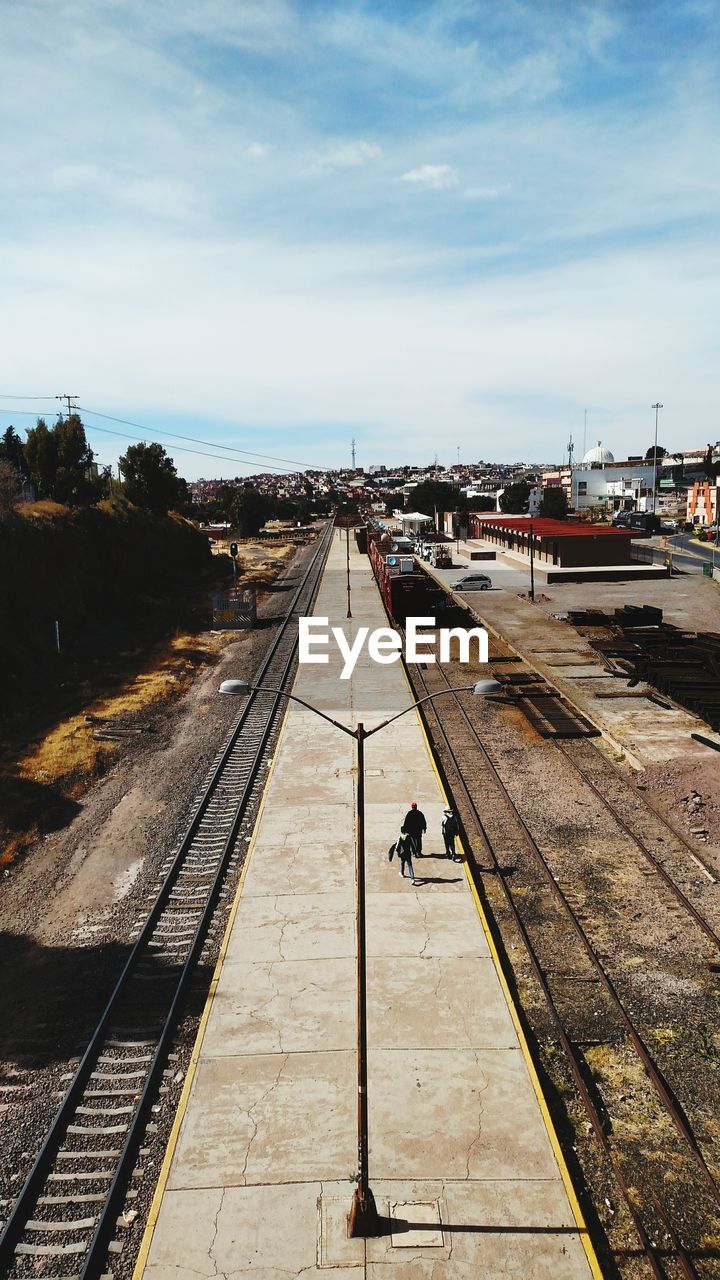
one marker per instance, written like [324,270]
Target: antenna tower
[353,453]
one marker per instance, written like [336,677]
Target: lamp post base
[363,1219]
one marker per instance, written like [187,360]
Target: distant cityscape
[595,487]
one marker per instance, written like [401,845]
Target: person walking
[415,826]
[450,830]
[404,848]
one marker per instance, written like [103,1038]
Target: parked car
[669,526]
[472,582]
[707,532]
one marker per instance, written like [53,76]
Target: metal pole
[532,565]
[57,635]
[363,1216]
[347,556]
[657,407]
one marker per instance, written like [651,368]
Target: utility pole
[532,563]
[585,435]
[67,398]
[657,407]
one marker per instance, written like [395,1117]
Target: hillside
[96,570]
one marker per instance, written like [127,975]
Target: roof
[598,454]
[548,528]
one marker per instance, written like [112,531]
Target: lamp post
[657,407]
[363,1219]
[532,563]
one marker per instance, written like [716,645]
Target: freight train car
[407,591]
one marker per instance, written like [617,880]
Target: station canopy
[415,518]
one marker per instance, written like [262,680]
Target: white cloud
[435,177]
[256,150]
[487,193]
[346,155]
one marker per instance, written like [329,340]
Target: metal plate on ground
[553,718]
[416,1225]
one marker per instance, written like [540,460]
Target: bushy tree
[250,510]
[13,452]
[150,478]
[59,462]
[10,489]
[660,453]
[482,503]
[515,499]
[436,495]
[554,503]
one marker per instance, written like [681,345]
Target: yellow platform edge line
[547,1118]
[146,1242]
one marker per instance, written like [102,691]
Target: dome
[598,454]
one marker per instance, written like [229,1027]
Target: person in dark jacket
[415,826]
[450,830]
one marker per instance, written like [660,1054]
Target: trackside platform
[463,1161]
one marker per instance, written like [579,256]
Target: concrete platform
[463,1161]
[644,734]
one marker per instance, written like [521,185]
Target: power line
[2,397]
[90,426]
[197,440]
[230,452]
[201,453]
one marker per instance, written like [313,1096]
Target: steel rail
[699,919]
[671,1104]
[650,1253]
[27,1198]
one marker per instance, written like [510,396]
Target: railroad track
[67,1218]
[547,917]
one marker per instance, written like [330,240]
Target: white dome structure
[598,454]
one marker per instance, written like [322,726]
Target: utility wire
[240,462]
[195,440]
[201,453]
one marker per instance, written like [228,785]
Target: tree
[12,451]
[660,453]
[41,458]
[712,469]
[74,483]
[435,495]
[10,489]
[515,500]
[554,503]
[251,509]
[484,503]
[59,462]
[151,480]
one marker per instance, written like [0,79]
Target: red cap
[413,805]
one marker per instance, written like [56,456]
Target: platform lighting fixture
[363,1218]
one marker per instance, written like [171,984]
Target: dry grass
[39,792]
[58,769]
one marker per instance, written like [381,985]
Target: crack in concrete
[251,1117]
[481,1089]
[215,1232]
[426,943]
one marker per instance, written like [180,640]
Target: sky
[430,227]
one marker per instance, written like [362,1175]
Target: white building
[600,481]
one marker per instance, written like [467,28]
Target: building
[562,550]
[703,502]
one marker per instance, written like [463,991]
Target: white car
[473,582]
